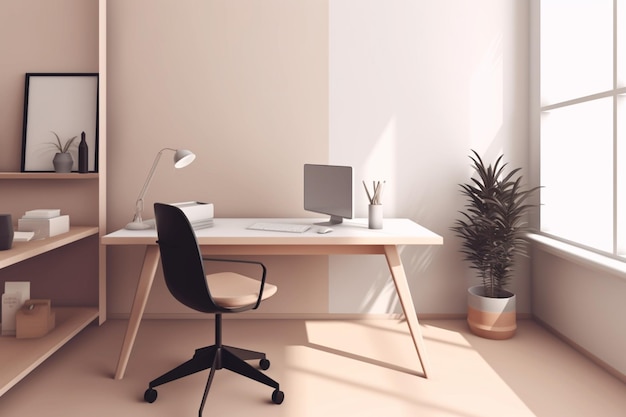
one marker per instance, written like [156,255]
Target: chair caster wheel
[264,364]
[278,397]
[150,395]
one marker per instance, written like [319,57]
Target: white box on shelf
[42,214]
[199,214]
[44,228]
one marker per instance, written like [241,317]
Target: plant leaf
[492,222]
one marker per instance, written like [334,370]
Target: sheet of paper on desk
[22,236]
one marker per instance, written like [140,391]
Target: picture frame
[65,104]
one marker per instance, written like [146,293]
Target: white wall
[399,89]
[582,302]
[414,85]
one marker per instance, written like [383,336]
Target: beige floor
[326,369]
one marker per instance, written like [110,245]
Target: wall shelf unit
[18,357]
[21,356]
[47,176]
[69,269]
[22,251]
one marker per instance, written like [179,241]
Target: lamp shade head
[183,157]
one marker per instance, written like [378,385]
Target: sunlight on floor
[373,364]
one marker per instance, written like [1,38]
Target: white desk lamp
[182,158]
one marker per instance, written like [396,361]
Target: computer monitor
[328,190]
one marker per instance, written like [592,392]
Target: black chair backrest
[181,259]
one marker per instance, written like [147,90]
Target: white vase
[375,216]
[63,162]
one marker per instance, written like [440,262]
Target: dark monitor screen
[328,190]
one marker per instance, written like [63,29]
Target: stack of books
[200,215]
[44,223]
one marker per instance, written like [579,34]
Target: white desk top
[229,231]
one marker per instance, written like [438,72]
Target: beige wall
[244,84]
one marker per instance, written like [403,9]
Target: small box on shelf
[34,319]
[44,227]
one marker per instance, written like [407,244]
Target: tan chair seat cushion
[233,290]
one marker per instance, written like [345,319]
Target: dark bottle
[6,232]
[83,155]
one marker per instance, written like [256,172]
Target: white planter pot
[492,318]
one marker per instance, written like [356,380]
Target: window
[583,122]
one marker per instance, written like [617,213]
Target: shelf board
[18,357]
[26,250]
[47,176]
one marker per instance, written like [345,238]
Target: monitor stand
[331,222]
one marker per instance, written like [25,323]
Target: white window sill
[579,255]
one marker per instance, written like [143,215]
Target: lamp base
[139,226]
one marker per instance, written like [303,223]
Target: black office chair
[218,293]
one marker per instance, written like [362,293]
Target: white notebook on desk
[22,236]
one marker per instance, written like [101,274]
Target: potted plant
[491,227]
[63,160]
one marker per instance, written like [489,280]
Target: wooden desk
[231,237]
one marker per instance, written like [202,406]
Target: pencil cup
[6,232]
[375,216]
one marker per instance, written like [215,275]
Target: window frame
[617,93]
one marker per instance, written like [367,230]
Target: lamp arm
[142,193]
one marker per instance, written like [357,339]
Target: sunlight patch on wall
[380,165]
[486,97]
[381,297]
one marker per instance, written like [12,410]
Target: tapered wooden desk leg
[404,293]
[150,263]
